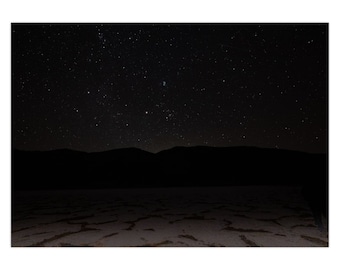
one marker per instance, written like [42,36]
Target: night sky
[97,87]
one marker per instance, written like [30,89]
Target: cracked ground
[176,217]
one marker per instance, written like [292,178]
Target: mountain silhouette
[176,167]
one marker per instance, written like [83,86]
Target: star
[169,83]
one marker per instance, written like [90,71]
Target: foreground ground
[185,217]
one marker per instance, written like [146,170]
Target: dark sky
[100,87]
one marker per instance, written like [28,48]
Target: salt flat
[256,216]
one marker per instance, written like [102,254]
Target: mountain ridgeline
[176,167]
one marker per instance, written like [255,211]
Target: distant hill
[176,167]
[179,166]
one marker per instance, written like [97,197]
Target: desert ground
[248,216]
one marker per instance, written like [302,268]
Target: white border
[168,11]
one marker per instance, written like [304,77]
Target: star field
[96,87]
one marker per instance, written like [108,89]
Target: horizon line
[179,146]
